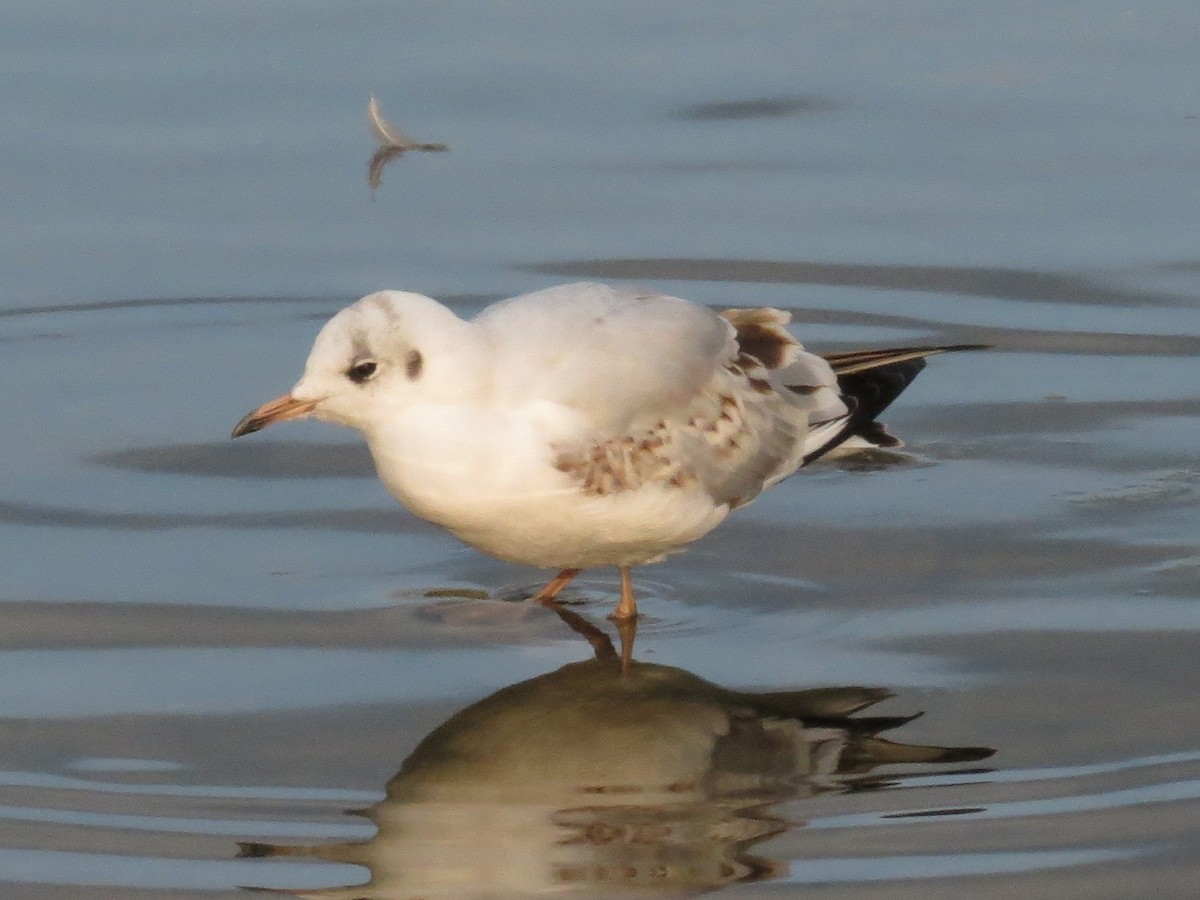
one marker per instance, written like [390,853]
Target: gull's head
[386,352]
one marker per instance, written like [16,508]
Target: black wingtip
[869,380]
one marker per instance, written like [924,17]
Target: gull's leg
[550,592]
[627,629]
[627,608]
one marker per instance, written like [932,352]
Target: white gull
[585,425]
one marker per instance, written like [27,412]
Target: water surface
[212,651]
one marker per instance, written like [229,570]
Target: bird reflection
[611,776]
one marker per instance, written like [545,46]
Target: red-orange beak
[279,409]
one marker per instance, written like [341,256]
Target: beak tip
[251,422]
[278,410]
[246,426]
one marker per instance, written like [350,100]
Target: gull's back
[621,358]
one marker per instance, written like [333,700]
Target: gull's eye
[360,372]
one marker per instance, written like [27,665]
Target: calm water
[212,651]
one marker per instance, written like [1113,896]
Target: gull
[586,425]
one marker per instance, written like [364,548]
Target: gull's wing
[638,388]
[652,389]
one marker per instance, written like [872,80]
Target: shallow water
[212,651]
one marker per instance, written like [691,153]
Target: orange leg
[627,608]
[627,629]
[550,592]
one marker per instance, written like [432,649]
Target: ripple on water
[961,814]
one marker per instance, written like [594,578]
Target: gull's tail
[869,380]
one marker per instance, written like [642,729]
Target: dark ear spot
[413,364]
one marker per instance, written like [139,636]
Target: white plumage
[578,426]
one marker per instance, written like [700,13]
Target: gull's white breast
[490,477]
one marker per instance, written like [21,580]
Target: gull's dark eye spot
[360,372]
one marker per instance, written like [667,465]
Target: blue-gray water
[208,643]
